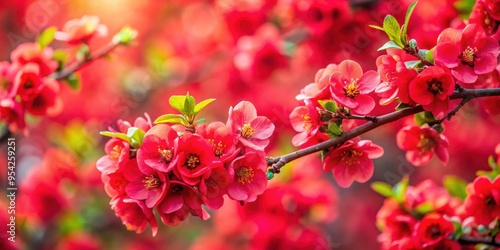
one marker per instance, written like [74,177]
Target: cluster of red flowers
[178,169]
[27,84]
[431,217]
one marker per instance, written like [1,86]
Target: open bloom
[194,158]
[221,138]
[32,53]
[135,215]
[306,121]
[81,30]
[251,130]
[395,79]
[179,202]
[247,177]
[434,229]
[468,53]
[320,88]
[352,161]
[351,87]
[117,156]
[157,149]
[421,143]
[431,88]
[483,200]
[146,184]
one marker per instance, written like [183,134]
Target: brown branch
[464,240]
[276,163]
[79,64]
[414,52]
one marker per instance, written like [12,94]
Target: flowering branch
[276,163]
[87,59]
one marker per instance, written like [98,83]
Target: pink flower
[431,88]
[352,161]
[194,158]
[395,79]
[135,215]
[81,30]
[421,143]
[180,200]
[213,186]
[468,53]
[434,229]
[46,101]
[483,200]
[306,121]
[247,177]
[251,130]
[221,139]
[320,88]
[32,53]
[117,155]
[146,184]
[157,149]
[11,112]
[351,87]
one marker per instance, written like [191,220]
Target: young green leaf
[402,105]
[121,136]
[136,136]
[389,45]
[47,37]
[392,29]
[198,107]
[125,36]
[412,64]
[429,56]
[172,119]
[424,208]
[334,129]
[382,188]
[407,18]
[73,81]
[399,189]
[455,186]
[177,102]
[376,27]
[189,104]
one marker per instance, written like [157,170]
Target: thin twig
[79,64]
[473,241]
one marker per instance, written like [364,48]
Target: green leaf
[492,163]
[458,230]
[47,37]
[399,189]
[376,27]
[199,121]
[429,56]
[177,102]
[412,64]
[407,18]
[73,81]
[402,105]
[392,29]
[389,45]
[328,105]
[136,136]
[464,8]
[455,186]
[172,119]
[334,129]
[83,53]
[125,36]
[423,52]
[189,103]
[61,57]
[198,107]
[424,208]
[382,188]
[423,118]
[121,136]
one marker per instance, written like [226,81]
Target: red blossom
[483,200]
[117,156]
[221,139]
[421,144]
[351,87]
[320,88]
[395,79]
[247,177]
[145,183]
[431,88]
[251,130]
[81,30]
[12,113]
[179,202]
[468,53]
[32,53]
[352,161]
[135,215]
[433,229]
[194,157]
[481,16]
[306,121]
[213,186]
[157,149]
